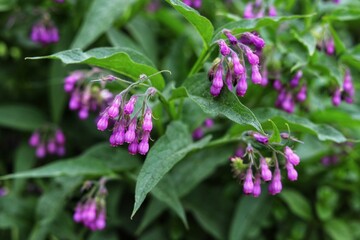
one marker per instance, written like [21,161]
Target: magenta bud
[257,186]
[291,172]
[265,171]
[272,11]
[224,49]
[133,147]
[241,86]
[217,81]
[248,187]
[34,139]
[248,11]
[51,146]
[255,74]
[291,156]
[275,185]
[129,106]
[336,98]
[147,124]
[252,58]
[232,39]
[215,91]
[198,133]
[238,68]
[41,151]
[102,124]
[261,138]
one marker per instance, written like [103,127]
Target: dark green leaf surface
[338,230]
[100,160]
[322,131]
[297,203]
[275,137]
[122,60]
[21,117]
[98,19]
[202,24]
[166,152]
[227,104]
[307,40]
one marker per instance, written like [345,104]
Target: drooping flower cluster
[193,3]
[86,95]
[91,211]
[230,68]
[337,152]
[258,9]
[252,168]
[44,32]
[199,132]
[48,141]
[290,93]
[131,126]
[346,93]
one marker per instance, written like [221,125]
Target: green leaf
[306,39]
[166,152]
[247,213]
[98,161]
[275,137]
[119,39]
[166,192]
[297,203]
[99,19]
[201,24]
[245,25]
[339,45]
[125,61]
[327,201]
[338,230]
[21,117]
[24,160]
[322,131]
[227,104]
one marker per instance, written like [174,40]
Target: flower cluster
[230,67]
[337,152]
[91,211]
[44,32]
[131,126]
[346,93]
[193,3]
[198,133]
[252,173]
[48,140]
[290,93]
[258,9]
[85,95]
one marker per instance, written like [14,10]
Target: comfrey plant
[230,68]
[130,125]
[252,168]
[193,3]
[48,140]
[258,9]
[345,93]
[86,95]
[44,31]
[91,210]
[199,132]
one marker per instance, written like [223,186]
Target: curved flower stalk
[91,210]
[230,68]
[252,168]
[48,140]
[132,125]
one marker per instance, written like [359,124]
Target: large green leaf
[227,104]
[24,160]
[246,213]
[202,24]
[100,160]
[338,230]
[21,117]
[98,19]
[122,60]
[322,131]
[297,203]
[307,39]
[166,152]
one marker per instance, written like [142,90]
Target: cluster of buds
[193,3]
[230,67]
[291,93]
[91,210]
[44,32]
[199,132]
[132,127]
[252,173]
[338,151]
[258,9]
[48,141]
[85,95]
[346,93]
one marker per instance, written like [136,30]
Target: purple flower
[34,139]
[130,134]
[291,172]
[291,157]
[229,80]
[275,185]
[147,124]
[277,85]
[133,147]
[330,46]
[265,171]
[261,138]
[143,146]
[248,11]
[248,187]
[41,151]
[272,11]
[102,124]
[241,86]
[252,58]
[301,95]
[129,106]
[255,74]
[238,68]
[336,98]
[218,81]
[208,123]
[224,49]
[295,81]
[51,146]
[232,39]
[257,186]
[197,133]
